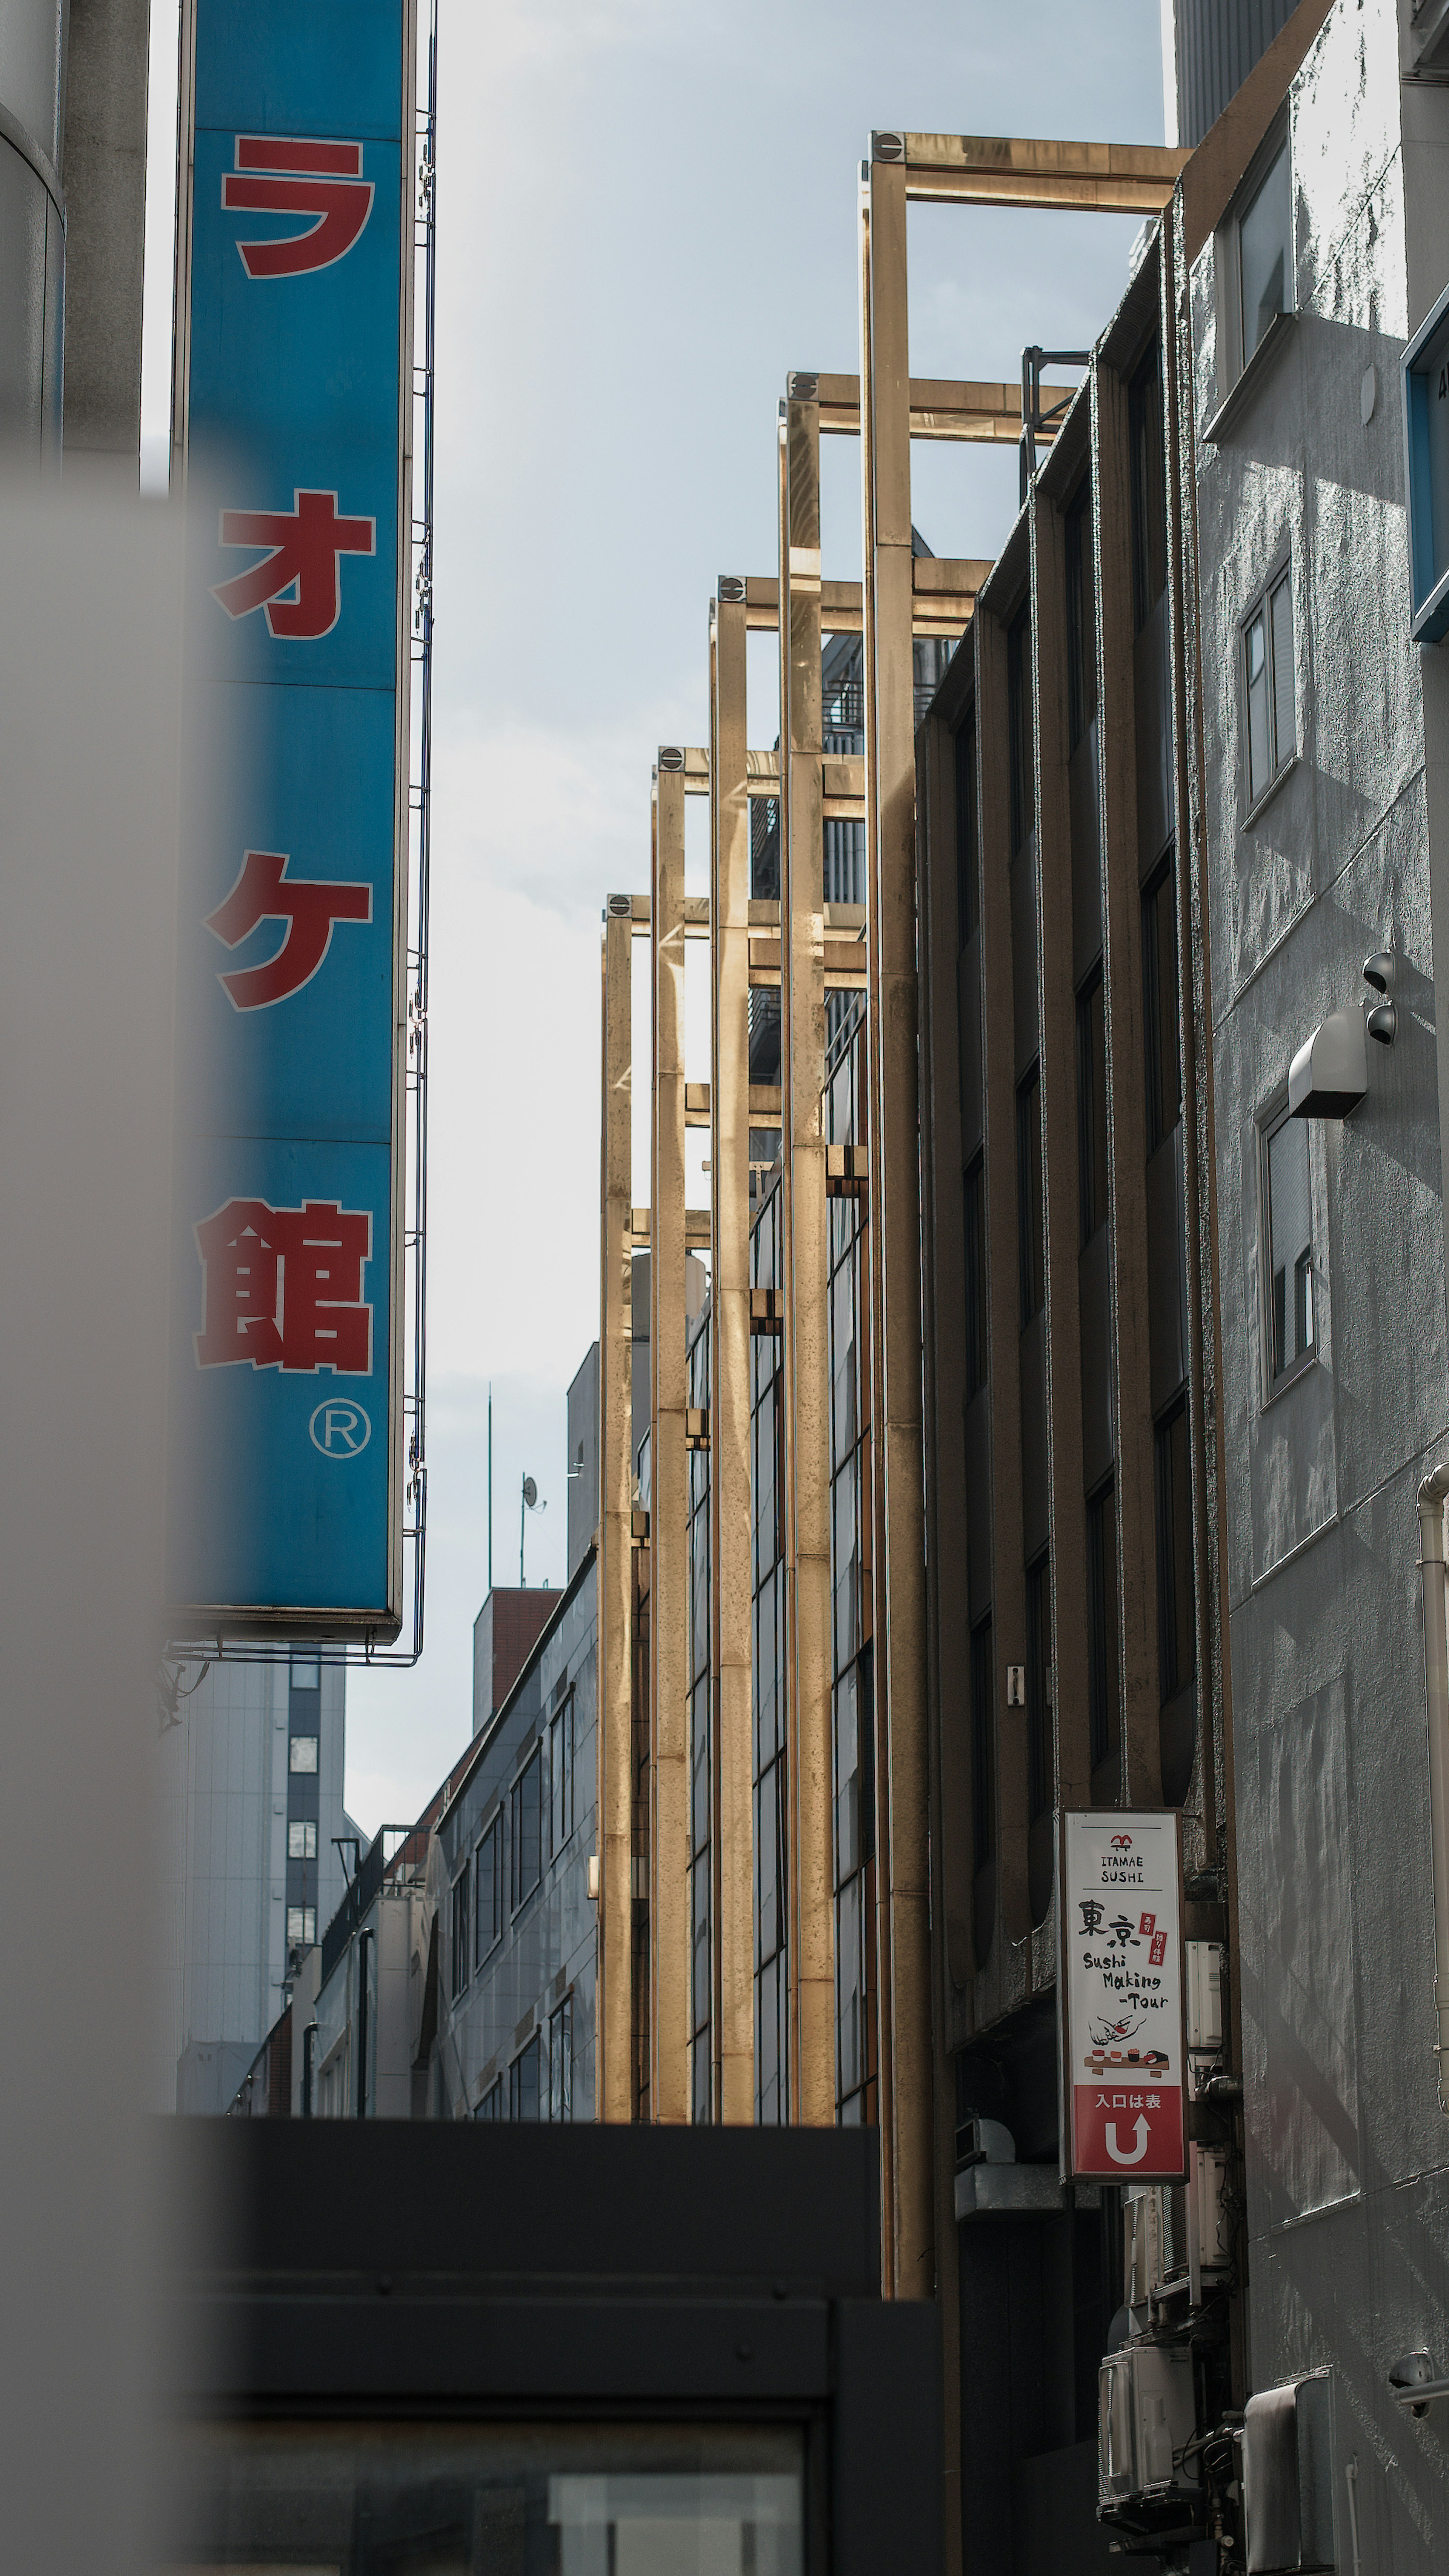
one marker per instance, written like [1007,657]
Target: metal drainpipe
[1432,1494]
[365,1941]
[309,2051]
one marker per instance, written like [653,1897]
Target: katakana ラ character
[303,545]
[309,906]
[1091,1915]
[322,181]
[283,1287]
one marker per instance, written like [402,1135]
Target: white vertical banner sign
[1120,1991]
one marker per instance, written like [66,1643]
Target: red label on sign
[1128,2131]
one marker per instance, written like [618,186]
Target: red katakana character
[283,1287]
[323,180]
[303,546]
[309,906]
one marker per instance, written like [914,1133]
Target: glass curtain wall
[701,1732]
[772,2087]
[851,1521]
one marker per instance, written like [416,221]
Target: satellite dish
[530,1492]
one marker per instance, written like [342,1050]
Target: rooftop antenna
[529,1503]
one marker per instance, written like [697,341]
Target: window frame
[1094,1192]
[302,1940]
[303,1825]
[495,1831]
[562,1810]
[1232,367]
[1270,1122]
[304,1770]
[460,1932]
[519,1895]
[1261,605]
[533,2046]
[1030,1198]
[1159,1001]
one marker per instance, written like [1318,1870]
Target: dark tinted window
[1081,617]
[1038,1687]
[983,1748]
[490,1892]
[1176,1627]
[975,1210]
[1149,490]
[1103,1684]
[523,2085]
[1091,1107]
[462,1947]
[966,831]
[1018,704]
[1031,1245]
[527,1822]
[1159,1005]
[1290,1247]
[561,1776]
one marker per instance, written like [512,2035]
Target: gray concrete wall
[1347,2154]
[105,188]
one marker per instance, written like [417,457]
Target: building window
[561,1777]
[561,2061]
[1149,488]
[983,1749]
[306,1672]
[1159,1005]
[304,1753]
[974,1194]
[301,1841]
[523,2084]
[1018,709]
[1081,616]
[1265,268]
[1289,1232]
[462,1959]
[1030,1214]
[490,2104]
[1092,1171]
[301,1926]
[527,1828]
[1104,1697]
[966,831]
[491,1889]
[1176,1628]
[1038,1688]
[1268,686]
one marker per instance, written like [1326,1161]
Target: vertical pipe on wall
[895,1217]
[1432,1495]
[730,1589]
[669,1947]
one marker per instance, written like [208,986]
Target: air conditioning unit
[1203,1964]
[1288,2478]
[1209,2217]
[1146,2417]
[1155,2247]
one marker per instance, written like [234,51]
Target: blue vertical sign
[294,388]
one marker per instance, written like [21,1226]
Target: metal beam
[903,1904]
[1013,170]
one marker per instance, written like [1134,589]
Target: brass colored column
[1057,1024]
[895,1215]
[669,1944]
[1126,1108]
[729,1146]
[614,2032]
[806,1345]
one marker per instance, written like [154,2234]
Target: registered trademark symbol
[340,1428]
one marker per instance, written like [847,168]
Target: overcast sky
[646,214]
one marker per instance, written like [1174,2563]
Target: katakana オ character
[303,545]
[282,1287]
[309,906]
[323,181]
[1091,1915]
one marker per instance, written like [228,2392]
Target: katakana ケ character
[303,545]
[309,906]
[323,181]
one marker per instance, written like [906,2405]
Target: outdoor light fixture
[1329,1075]
[1416,2383]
